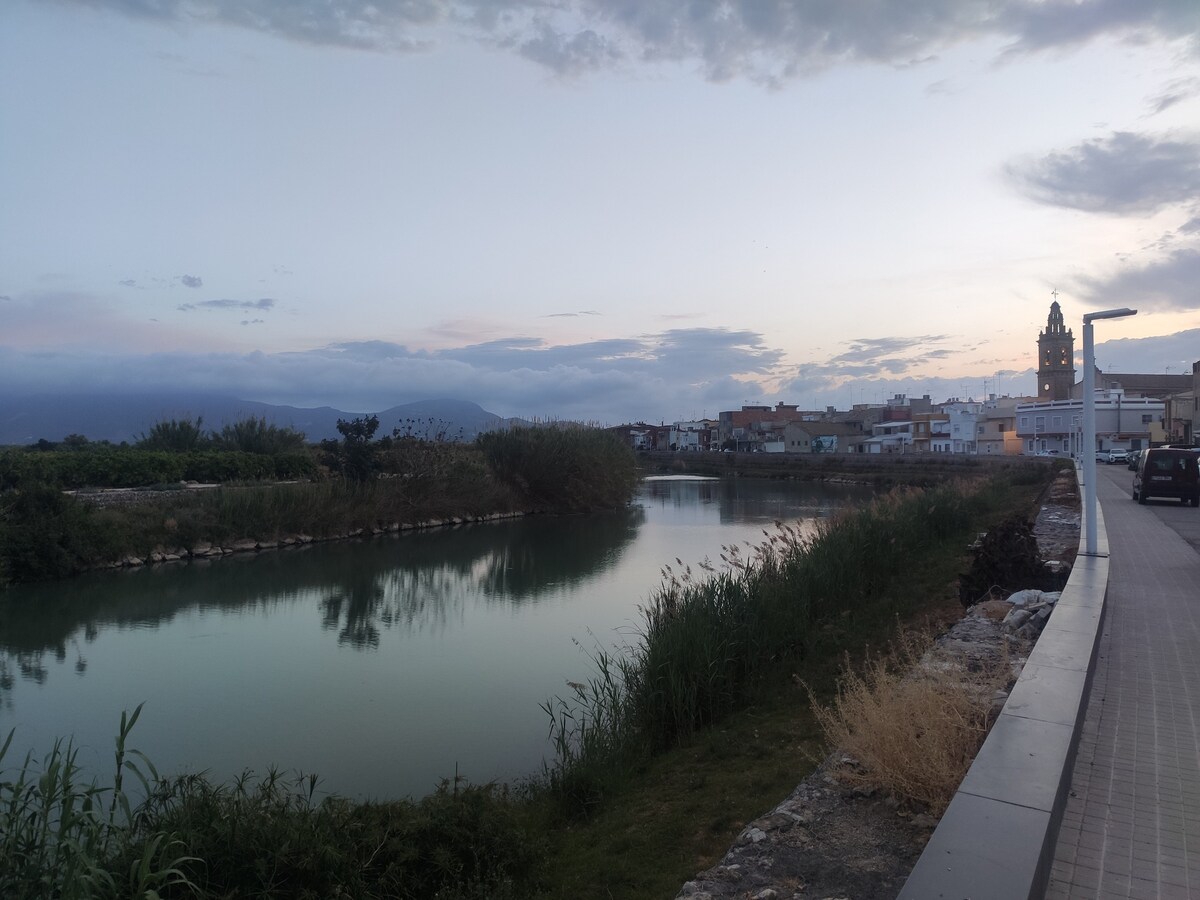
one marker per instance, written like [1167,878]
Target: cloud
[1124,173]
[567,54]
[571,315]
[192,281]
[652,377]
[768,41]
[1173,352]
[264,304]
[1169,283]
[1174,92]
[128,282]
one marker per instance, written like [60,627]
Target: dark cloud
[1175,92]
[192,281]
[768,41]
[567,54]
[128,282]
[872,351]
[1169,283]
[1123,173]
[253,321]
[264,304]
[4,298]
[657,376]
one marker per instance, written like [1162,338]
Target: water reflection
[413,582]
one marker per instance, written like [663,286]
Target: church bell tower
[1056,358]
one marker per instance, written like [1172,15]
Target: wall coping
[996,839]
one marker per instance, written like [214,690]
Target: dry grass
[907,729]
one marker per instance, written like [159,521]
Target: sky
[607,210]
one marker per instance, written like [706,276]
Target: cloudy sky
[601,209]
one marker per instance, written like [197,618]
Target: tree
[356,454]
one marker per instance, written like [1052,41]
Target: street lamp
[1089,421]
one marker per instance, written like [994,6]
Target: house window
[1039,423]
[1057,422]
[1146,418]
[1002,428]
[1025,424]
[981,429]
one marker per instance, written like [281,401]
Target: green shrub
[45,534]
[565,468]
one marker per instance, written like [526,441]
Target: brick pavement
[1131,828]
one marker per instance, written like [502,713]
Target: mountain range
[125,417]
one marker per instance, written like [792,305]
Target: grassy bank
[46,534]
[663,753]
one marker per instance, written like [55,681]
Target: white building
[1122,423]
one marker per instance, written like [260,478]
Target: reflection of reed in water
[411,583]
[428,586]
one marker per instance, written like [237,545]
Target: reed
[61,836]
[711,639]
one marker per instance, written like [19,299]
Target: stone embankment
[209,550]
[830,841]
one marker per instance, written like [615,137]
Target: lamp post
[1089,421]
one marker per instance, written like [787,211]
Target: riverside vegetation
[418,473]
[675,740]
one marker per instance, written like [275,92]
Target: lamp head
[1109,314]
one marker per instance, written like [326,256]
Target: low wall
[902,466]
[996,839]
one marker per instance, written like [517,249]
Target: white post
[1089,422]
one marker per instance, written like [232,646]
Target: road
[1183,520]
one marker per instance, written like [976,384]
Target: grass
[907,730]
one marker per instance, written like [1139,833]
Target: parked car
[1133,457]
[1168,472]
[1117,456]
[1101,456]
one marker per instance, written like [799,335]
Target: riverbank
[834,838]
[654,826]
[46,533]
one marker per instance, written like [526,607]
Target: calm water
[380,665]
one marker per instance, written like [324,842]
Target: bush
[1006,559]
[565,468]
[45,534]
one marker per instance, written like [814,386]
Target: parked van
[1168,472]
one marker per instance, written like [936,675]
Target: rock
[244,545]
[753,835]
[1024,598]
[766,894]
[1016,618]
[203,548]
[267,545]
[304,539]
[132,560]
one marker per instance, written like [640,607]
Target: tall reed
[60,835]
[710,638]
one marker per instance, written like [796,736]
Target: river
[382,665]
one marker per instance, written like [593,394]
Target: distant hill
[125,417]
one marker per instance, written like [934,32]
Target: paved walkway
[1132,822]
